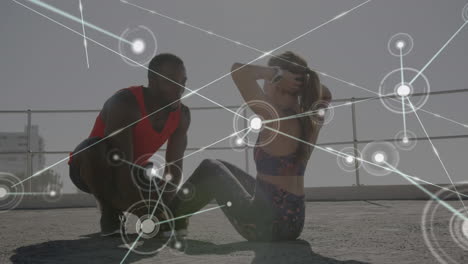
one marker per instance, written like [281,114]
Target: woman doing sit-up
[271,206]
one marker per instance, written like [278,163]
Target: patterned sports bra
[286,165]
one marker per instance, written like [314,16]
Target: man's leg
[91,173]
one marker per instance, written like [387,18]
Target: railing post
[247,148]
[29,150]
[355,145]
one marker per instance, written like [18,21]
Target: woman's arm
[245,77]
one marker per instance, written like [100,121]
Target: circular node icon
[255,123]
[152,176]
[115,157]
[380,153]
[143,220]
[392,84]
[465,13]
[3,192]
[148,226]
[403,89]
[405,140]
[229,204]
[400,44]
[322,114]
[444,216]
[178,246]
[186,192]
[248,126]
[238,143]
[458,228]
[137,45]
[52,193]
[11,192]
[346,160]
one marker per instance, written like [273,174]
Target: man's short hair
[159,60]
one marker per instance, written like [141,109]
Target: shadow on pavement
[89,249]
[298,251]
[95,249]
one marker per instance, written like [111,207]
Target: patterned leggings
[260,211]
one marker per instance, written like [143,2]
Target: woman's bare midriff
[292,184]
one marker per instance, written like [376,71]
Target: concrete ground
[335,232]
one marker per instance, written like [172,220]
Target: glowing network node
[248,125]
[379,157]
[321,112]
[465,228]
[383,155]
[405,140]
[152,172]
[434,224]
[403,90]
[147,226]
[53,193]
[168,177]
[255,123]
[138,46]
[392,84]
[3,192]
[187,192]
[324,113]
[178,245]
[349,159]
[229,204]
[239,141]
[10,184]
[400,44]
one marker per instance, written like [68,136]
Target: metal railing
[29,152]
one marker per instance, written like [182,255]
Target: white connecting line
[436,153]
[403,97]
[141,233]
[345,155]
[437,54]
[85,42]
[269,53]
[189,94]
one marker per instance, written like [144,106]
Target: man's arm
[176,147]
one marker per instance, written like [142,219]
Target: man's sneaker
[111,225]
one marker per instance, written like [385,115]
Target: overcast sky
[43,66]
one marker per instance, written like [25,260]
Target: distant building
[18,142]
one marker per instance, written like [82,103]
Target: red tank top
[146,140]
